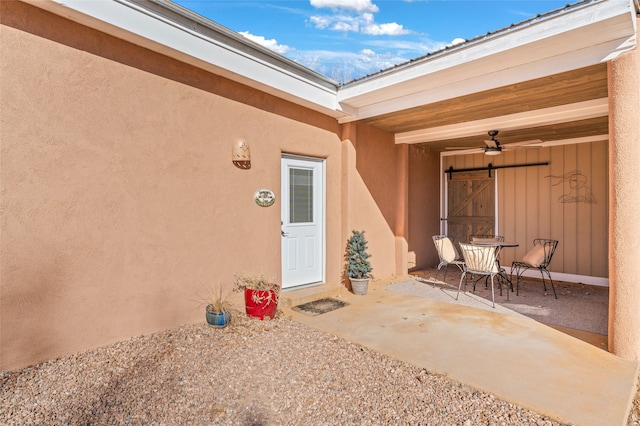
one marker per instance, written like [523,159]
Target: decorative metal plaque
[264,197]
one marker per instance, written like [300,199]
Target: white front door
[302,221]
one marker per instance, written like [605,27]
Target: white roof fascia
[140,25]
[587,35]
[541,117]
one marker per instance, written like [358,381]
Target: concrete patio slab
[513,357]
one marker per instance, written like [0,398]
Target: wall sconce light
[241,155]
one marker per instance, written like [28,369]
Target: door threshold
[307,293]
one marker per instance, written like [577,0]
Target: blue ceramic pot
[218,319]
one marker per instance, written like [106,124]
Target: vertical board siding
[566,200]
[569,211]
[584,240]
[599,218]
[556,168]
[545,214]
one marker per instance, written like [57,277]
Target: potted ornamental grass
[218,306]
[260,294]
[358,268]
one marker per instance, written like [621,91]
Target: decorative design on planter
[260,294]
[261,303]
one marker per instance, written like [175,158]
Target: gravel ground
[253,372]
[634,416]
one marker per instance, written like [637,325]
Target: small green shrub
[358,265]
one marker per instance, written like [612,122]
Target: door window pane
[300,196]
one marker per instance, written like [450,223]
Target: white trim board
[570,278]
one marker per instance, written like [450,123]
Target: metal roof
[452,47]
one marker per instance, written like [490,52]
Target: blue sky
[347,39]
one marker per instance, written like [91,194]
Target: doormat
[321,306]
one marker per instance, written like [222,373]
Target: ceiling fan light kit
[493,146]
[492,151]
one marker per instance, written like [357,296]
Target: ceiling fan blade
[515,148]
[461,147]
[531,144]
[491,143]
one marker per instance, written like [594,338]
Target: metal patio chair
[448,255]
[480,260]
[538,258]
[486,238]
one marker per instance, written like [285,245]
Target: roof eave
[578,37]
[164,27]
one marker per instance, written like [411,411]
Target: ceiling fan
[493,146]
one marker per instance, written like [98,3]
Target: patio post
[400,231]
[624,205]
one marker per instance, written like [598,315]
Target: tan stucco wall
[375,209]
[624,226]
[119,197]
[370,193]
[424,202]
[397,201]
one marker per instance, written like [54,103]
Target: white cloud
[379,54]
[357,24]
[456,41]
[347,25]
[367,18]
[353,16]
[345,66]
[376,54]
[320,22]
[385,29]
[413,49]
[269,44]
[359,6]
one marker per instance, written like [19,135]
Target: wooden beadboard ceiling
[556,90]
